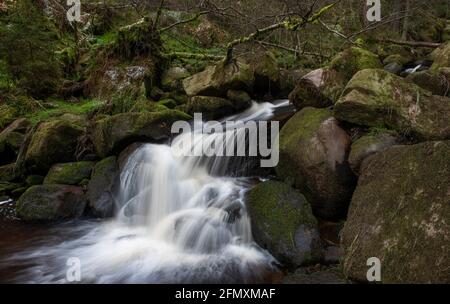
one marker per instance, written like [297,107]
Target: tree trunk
[406,20]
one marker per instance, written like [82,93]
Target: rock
[69,173]
[289,80]
[6,188]
[8,173]
[393,68]
[399,213]
[171,79]
[51,202]
[52,142]
[11,140]
[33,180]
[441,57]
[114,133]
[435,82]
[213,107]
[367,145]
[321,276]
[218,79]
[319,88]
[354,59]
[282,222]
[239,97]
[399,59]
[313,157]
[376,98]
[101,187]
[267,73]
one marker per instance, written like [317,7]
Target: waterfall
[180,219]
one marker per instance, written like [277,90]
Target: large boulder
[213,107]
[114,133]
[100,193]
[313,157]
[377,98]
[289,80]
[171,79]
[399,213]
[441,57]
[436,82]
[354,59]
[282,222]
[11,139]
[218,79]
[267,73]
[69,173]
[51,202]
[52,142]
[319,88]
[367,145]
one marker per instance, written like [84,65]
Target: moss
[7,115]
[69,173]
[281,208]
[353,60]
[399,213]
[8,173]
[212,107]
[168,103]
[33,180]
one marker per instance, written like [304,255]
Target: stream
[179,219]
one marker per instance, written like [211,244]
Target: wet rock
[367,145]
[52,142]
[51,202]
[100,193]
[319,88]
[283,223]
[218,79]
[213,107]
[267,73]
[69,173]
[377,98]
[113,133]
[393,68]
[399,213]
[313,157]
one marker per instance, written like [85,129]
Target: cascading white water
[179,220]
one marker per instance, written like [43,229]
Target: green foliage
[27,46]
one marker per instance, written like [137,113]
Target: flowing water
[180,219]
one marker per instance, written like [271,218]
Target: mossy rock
[238,96]
[282,222]
[377,98]
[434,82]
[114,133]
[51,203]
[289,80]
[33,180]
[367,145]
[171,79]
[11,139]
[213,107]
[441,57]
[354,59]
[313,158]
[100,193]
[52,142]
[399,213]
[8,173]
[266,72]
[320,88]
[218,79]
[168,103]
[69,173]
[7,188]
